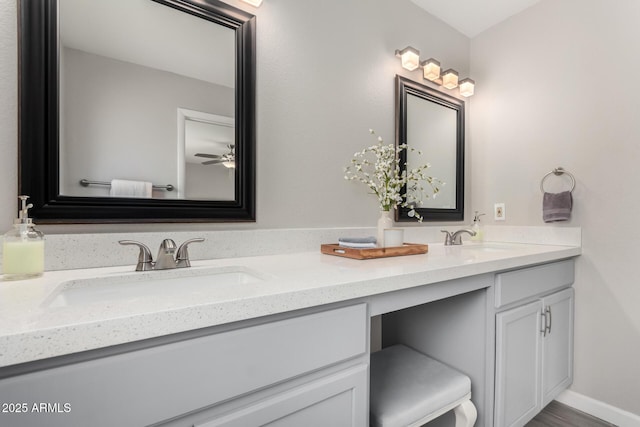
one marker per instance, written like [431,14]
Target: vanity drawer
[516,285]
[147,386]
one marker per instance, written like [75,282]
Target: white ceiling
[471,17]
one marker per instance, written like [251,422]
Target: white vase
[385,221]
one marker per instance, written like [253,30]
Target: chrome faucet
[165,259]
[455,238]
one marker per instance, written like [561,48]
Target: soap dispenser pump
[23,247]
[477,227]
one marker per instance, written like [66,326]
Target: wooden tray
[371,253]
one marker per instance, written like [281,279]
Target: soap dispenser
[477,227]
[23,247]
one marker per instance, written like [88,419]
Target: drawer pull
[548,316]
[546,327]
[543,322]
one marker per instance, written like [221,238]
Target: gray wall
[8,114]
[557,87]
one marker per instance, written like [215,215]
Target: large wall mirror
[433,123]
[137,110]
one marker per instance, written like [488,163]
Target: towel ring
[557,172]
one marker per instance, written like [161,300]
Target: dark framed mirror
[197,124]
[433,123]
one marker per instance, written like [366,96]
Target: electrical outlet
[498,212]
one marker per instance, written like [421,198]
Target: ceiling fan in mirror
[228,160]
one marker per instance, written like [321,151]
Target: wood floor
[559,415]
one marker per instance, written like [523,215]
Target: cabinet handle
[548,327]
[543,322]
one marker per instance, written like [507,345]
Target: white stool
[409,389]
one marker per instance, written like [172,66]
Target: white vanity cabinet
[534,340]
[290,371]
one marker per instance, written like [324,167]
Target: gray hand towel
[357,242]
[556,206]
[369,239]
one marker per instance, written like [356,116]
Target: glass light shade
[467,87]
[410,57]
[255,3]
[431,69]
[450,79]
[229,164]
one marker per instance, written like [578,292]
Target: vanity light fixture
[466,87]
[255,3]
[431,69]
[410,57]
[450,79]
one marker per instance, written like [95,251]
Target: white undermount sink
[149,284]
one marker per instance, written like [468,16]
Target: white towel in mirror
[126,188]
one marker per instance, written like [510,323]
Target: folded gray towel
[369,239]
[357,245]
[357,242]
[556,206]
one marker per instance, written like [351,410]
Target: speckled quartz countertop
[36,323]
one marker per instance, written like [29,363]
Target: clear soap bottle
[23,247]
[477,227]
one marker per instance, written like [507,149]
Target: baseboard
[599,409]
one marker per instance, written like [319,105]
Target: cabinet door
[518,352]
[557,359]
[338,400]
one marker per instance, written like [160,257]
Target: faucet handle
[448,239]
[182,257]
[145,260]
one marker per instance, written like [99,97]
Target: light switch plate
[499,212]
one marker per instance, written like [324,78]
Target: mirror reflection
[208,144]
[431,129]
[142,93]
[108,90]
[433,123]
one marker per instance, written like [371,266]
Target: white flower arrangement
[384,179]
